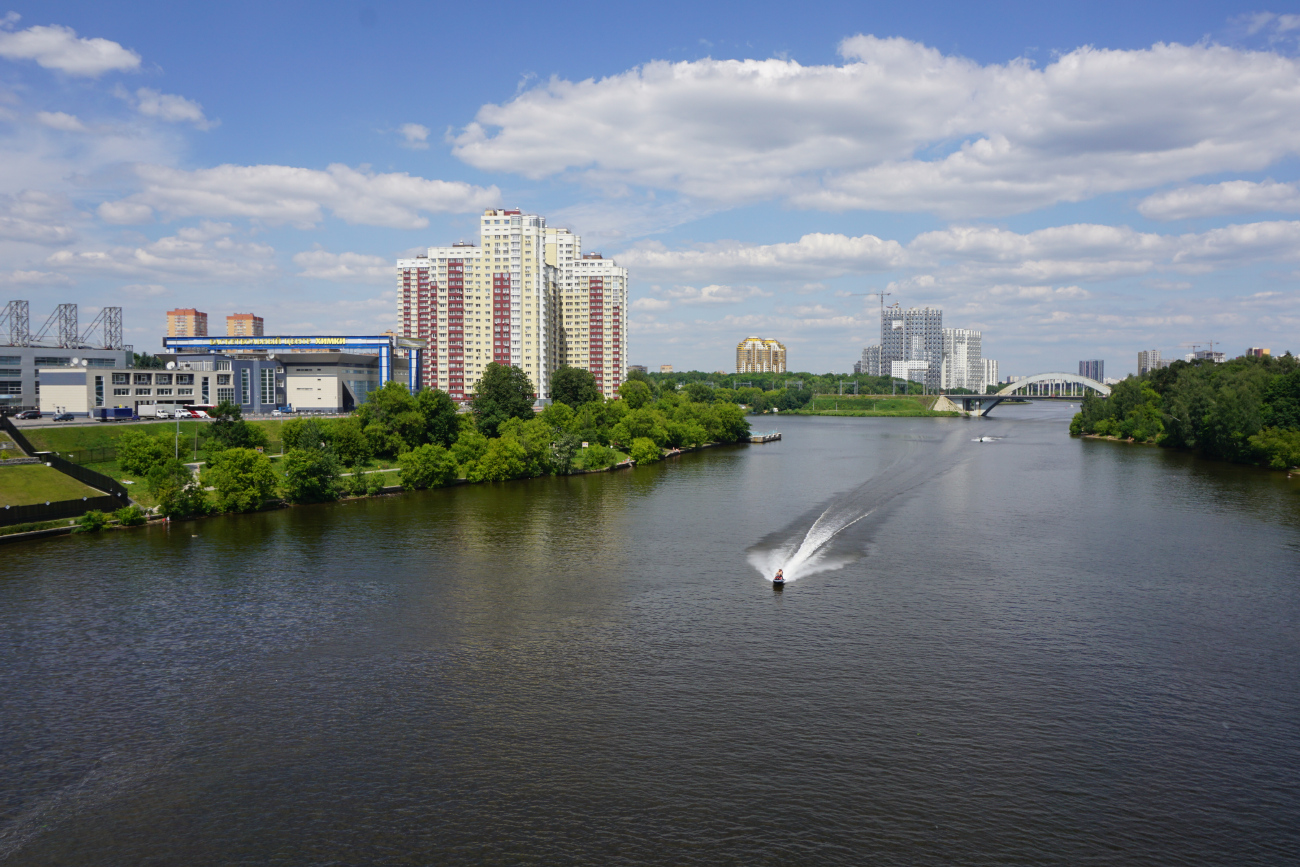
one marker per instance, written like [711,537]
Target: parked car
[64,416]
[30,413]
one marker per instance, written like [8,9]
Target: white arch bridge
[1040,386]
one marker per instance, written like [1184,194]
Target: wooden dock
[770,436]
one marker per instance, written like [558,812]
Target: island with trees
[1246,410]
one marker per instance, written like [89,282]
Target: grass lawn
[67,440]
[35,483]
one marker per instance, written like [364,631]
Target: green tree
[428,466]
[504,459]
[311,475]
[636,393]
[535,435]
[574,386]
[138,453]
[644,451]
[306,433]
[145,361]
[596,457]
[698,392]
[130,516]
[1276,447]
[391,419]
[563,451]
[229,430]
[178,493]
[92,522]
[469,448]
[559,416]
[441,418]
[504,392]
[243,479]
[351,445]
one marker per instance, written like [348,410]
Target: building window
[245,386]
[10,386]
[143,378]
[205,389]
[11,359]
[121,379]
[225,394]
[52,361]
[140,391]
[11,371]
[162,379]
[268,385]
[223,379]
[99,391]
[163,391]
[184,379]
[185,391]
[101,362]
[223,365]
[118,392]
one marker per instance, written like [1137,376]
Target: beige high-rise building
[760,355]
[187,322]
[525,296]
[244,325]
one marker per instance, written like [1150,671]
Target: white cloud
[650,304]
[203,254]
[56,47]
[61,121]
[899,126]
[36,217]
[285,194]
[125,213]
[715,294]
[414,136]
[35,278]
[145,290]
[819,255]
[344,267]
[1212,200]
[171,108]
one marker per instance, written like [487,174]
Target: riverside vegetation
[1246,410]
[432,443]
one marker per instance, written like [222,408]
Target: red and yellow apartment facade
[524,296]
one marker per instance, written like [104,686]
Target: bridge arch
[1087,382]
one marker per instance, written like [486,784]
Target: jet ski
[779,581]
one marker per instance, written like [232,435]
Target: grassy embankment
[36,483]
[873,405]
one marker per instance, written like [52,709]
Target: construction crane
[881,295]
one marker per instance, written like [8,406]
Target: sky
[1075,180]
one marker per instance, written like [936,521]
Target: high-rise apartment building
[870,363]
[760,355]
[1257,352]
[244,325]
[1148,360]
[962,365]
[913,335]
[1094,368]
[665,368]
[526,296]
[990,373]
[187,322]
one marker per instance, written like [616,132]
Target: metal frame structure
[982,404]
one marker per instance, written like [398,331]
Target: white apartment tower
[525,296]
[963,364]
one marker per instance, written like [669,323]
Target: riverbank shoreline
[1291,472]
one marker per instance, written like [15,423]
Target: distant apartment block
[665,368]
[1148,360]
[913,335]
[760,355]
[1093,369]
[990,373]
[527,296]
[870,363]
[187,322]
[636,368]
[1206,355]
[244,325]
[962,365]
[1257,352]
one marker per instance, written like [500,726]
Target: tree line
[1246,410]
[434,444]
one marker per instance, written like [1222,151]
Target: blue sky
[1076,180]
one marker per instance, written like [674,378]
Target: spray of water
[809,555]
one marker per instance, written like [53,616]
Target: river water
[1034,650]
